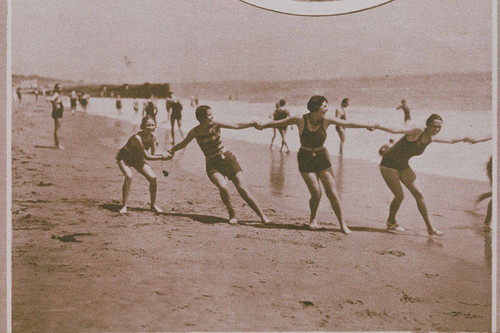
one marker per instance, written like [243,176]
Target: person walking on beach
[57,113]
[342,114]
[73,99]
[314,162]
[221,164]
[118,105]
[135,155]
[175,116]
[395,168]
[280,113]
[406,111]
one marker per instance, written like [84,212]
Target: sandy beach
[79,266]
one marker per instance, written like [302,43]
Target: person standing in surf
[175,108]
[118,105]
[406,111]
[280,113]
[221,164]
[135,155]
[313,159]
[395,168]
[341,113]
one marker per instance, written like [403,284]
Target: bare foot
[435,232]
[314,224]
[123,210]
[345,229]
[233,220]
[156,209]
[60,147]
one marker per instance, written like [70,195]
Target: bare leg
[391,178]
[172,132]
[326,177]
[487,218]
[408,177]
[312,182]
[127,172]
[248,197]
[220,181]
[274,136]
[148,173]
[57,127]
[342,140]
[179,125]
[283,141]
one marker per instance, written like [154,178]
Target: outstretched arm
[451,141]
[398,130]
[136,141]
[349,124]
[282,122]
[236,126]
[183,144]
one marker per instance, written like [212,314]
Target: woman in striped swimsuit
[396,170]
[220,163]
[314,162]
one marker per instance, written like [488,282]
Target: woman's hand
[258,125]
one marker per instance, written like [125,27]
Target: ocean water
[460,160]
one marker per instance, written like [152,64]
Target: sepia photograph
[256,165]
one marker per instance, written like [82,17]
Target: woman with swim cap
[134,155]
[220,163]
[314,162]
[396,170]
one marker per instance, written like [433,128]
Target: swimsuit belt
[312,149]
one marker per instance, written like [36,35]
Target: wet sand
[80,266]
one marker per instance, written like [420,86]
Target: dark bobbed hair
[144,121]
[201,112]
[431,118]
[345,100]
[282,102]
[315,102]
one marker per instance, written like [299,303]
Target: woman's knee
[128,179]
[315,195]
[152,180]
[398,197]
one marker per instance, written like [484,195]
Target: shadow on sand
[209,219]
[46,147]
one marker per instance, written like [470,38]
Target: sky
[120,41]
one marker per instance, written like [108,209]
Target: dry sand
[79,266]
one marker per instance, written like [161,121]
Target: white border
[8,160]
[494,106]
[323,8]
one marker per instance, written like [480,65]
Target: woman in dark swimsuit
[134,155]
[396,170]
[175,106]
[342,113]
[57,113]
[220,163]
[280,113]
[314,162]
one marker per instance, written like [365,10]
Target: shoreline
[78,265]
